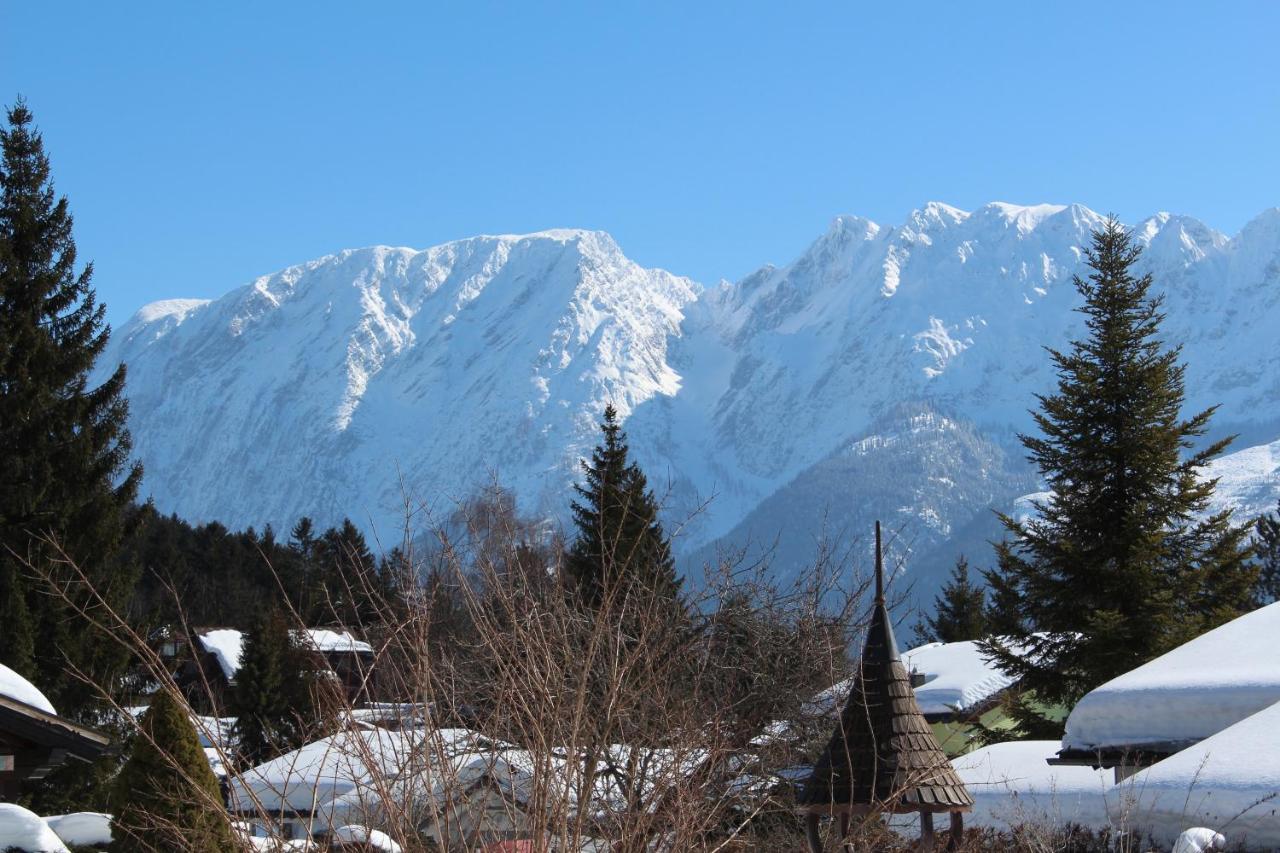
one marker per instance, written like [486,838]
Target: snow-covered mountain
[339,386]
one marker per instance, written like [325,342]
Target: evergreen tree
[166,797]
[300,569]
[621,548]
[348,570]
[264,698]
[1121,562]
[64,470]
[960,612]
[17,645]
[1267,547]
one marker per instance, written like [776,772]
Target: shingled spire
[883,756]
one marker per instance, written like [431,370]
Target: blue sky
[203,145]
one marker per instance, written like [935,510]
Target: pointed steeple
[882,756]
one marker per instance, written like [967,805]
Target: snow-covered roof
[374,839]
[454,760]
[956,678]
[450,762]
[85,828]
[1229,781]
[1187,694]
[325,640]
[227,644]
[27,831]
[329,768]
[16,687]
[1011,783]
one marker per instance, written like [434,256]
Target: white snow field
[353,372]
[16,687]
[27,831]
[1187,694]
[1011,783]
[1229,782]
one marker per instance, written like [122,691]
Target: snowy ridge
[332,387]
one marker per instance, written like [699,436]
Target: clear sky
[203,144]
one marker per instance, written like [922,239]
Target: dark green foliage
[64,470]
[1267,548]
[284,692]
[763,660]
[347,571]
[1121,563]
[221,577]
[17,643]
[166,797]
[621,549]
[960,612]
[263,695]
[298,569]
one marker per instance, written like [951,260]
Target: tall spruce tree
[1123,561]
[64,471]
[265,694]
[1267,547]
[960,612]
[165,796]
[621,548]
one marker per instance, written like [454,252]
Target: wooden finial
[879,568]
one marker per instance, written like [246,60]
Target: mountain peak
[311,390]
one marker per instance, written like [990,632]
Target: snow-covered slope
[333,387]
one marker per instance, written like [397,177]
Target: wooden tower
[883,757]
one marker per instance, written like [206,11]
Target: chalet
[1178,699]
[34,740]
[204,664]
[1188,739]
[331,782]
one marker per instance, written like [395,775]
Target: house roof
[957,681]
[883,754]
[1228,781]
[227,644]
[16,687]
[353,768]
[37,726]
[1185,695]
